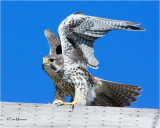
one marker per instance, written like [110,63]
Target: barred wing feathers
[87,29]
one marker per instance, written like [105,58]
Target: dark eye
[51,59]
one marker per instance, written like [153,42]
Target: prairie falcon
[70,55]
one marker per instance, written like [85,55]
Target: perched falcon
[70,55]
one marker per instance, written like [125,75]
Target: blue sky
[124,56]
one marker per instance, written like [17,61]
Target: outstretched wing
[84,30]
[54,42]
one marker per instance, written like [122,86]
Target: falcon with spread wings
[70,55]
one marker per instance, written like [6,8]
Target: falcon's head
[53,63]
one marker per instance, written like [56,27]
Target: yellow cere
[45,61]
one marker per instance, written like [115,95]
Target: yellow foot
[49,103]
[66,103]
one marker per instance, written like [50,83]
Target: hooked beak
[45,61]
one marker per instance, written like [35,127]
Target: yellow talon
[67,103]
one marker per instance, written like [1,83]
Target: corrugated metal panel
[47,115]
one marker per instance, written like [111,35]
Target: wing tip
[132,26]
[142,29]
[135,28]
[47,32]
[78,13]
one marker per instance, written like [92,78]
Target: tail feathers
[101,100]
[120,95]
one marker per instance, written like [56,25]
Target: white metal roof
[30,115]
